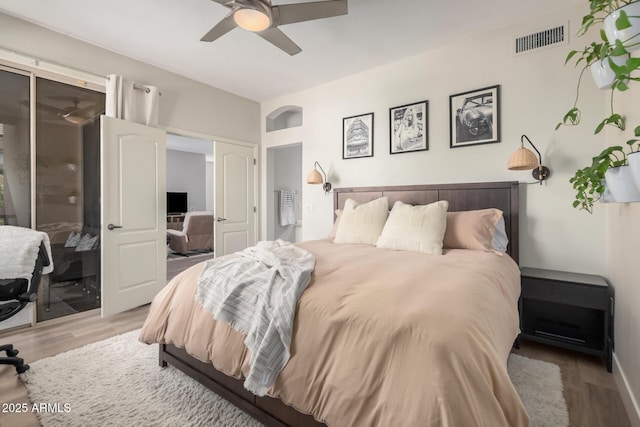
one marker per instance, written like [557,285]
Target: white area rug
[117,382]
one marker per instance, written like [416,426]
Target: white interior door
[133,159]
[234,197]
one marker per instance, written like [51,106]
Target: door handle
[221,219]
[112,227]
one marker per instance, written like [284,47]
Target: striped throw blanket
[256,292]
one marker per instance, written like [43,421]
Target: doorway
[190,188]
[228,181]
[284,192]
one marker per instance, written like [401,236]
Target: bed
[364,349]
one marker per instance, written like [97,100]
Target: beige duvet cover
[381,337]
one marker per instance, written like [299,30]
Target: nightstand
[568,310]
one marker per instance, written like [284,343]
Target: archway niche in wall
[285,117]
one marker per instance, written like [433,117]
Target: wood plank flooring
[590,391]
[591,394]
[51,338]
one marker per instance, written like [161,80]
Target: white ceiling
[166,33]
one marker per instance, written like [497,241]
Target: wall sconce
[314,177]
[523,159]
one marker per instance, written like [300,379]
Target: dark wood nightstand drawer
[574,294]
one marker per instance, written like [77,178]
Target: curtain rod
[136,86]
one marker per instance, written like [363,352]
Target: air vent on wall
[541,39]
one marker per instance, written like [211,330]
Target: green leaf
[623,21]
[600,127]
[572,117]
[569,56]
[621,86]
[603,35]
[633,64]
[636,131]
[618,49]
[587,21]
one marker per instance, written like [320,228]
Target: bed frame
[469,196]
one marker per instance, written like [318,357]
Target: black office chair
[20,292]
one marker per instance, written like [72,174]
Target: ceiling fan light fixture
[76,120]
[252,19]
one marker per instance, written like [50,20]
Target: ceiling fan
[260,17]
[73,114]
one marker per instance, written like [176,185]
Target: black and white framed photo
[357,136]
[408,128]
[475,117]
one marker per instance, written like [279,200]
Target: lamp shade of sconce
[524,159]
[252,19]
[315,177]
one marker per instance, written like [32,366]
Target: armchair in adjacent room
[196,233]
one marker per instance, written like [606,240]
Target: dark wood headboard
[461,197]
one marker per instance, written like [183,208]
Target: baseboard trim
[629,400]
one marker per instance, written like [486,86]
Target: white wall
[188,172]
[185,104]
[623,269]
[536,90]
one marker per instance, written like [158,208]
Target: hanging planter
[602,73]
[624,24]
[634,165]
[620,184]
[606,196]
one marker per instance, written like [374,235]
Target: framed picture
[474,117]
[408,128]
[357,136]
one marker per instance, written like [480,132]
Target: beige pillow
[362,223]
[415,228]
[332,233]
[471,229]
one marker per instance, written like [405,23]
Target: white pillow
[73,240]
[362,223]
[500,239]
[415,228]
[87,243]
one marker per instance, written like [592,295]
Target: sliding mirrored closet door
[68,194]
[50,180]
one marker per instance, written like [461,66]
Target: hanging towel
[287,208]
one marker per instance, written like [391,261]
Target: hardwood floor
[177,265]
[591,394]
[590,391]
[51,338]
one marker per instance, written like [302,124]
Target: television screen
[176,203]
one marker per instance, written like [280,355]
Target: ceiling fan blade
[49,109]
[299,12]
[280,40]
[222,28]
